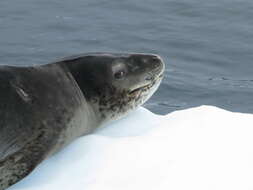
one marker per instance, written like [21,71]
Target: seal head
[114,84]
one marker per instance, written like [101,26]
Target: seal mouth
[142,88]
[145,87]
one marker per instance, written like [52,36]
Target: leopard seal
[44,108]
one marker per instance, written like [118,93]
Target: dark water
[207,45]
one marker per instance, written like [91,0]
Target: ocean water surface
[207,45]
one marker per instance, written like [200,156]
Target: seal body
[41,110]
[44,108]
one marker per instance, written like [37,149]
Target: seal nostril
[155,59]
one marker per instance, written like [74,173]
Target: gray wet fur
[44,108]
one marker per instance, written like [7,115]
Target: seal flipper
[21,163]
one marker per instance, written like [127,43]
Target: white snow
[202,148]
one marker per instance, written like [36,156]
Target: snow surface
[200,149]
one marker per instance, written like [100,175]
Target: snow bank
[201,148]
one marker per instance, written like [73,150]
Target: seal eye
[119,74]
